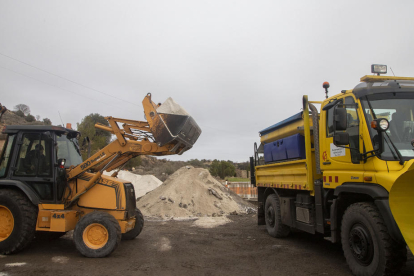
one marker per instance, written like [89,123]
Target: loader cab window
[68,148]
[6,154]
[34,163]
[35,158]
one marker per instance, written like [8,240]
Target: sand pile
[192,192]
[142,183]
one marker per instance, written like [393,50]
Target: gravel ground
[239,247]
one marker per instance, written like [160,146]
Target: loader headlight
[380,124]
[378,69]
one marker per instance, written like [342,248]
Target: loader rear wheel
[17,221]
[97,235]
[139,224]
[274,224]
[367,245]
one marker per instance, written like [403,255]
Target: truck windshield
[68,148]
[397,108]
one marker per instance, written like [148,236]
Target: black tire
[274,224]
[139,224]
[368,247]
[97,235]
[20,214]
[48,236]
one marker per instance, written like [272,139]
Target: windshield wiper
[395,148]
[76,147]
[392,143]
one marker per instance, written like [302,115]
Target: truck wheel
[139,224]
[17,221]
[274,225]
[367,245]
[97,235]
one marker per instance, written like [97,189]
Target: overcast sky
[236,66]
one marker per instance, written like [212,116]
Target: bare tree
[23,108]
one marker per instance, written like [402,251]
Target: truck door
[341,164]
[34,164]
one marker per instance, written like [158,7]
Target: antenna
[63,125]
[392,71]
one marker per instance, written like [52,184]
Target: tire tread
[395,254]
[29,218]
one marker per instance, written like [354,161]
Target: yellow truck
[46,189]
[345,171]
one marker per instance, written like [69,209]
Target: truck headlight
[380,124]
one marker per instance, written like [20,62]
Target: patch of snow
[211,222]
[15,264]
[60,259]
[143,184]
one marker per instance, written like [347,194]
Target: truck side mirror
[341,138]
[340,118]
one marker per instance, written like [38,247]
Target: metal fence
[243,189]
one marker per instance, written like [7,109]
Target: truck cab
[368,150]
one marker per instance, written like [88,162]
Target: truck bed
[286,175]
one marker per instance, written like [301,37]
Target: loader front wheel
[97,235]
[17,221]
[274,224]
[367,245]
[139,224]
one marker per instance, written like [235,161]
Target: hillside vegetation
[144,165]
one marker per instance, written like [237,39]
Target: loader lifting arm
[169,130]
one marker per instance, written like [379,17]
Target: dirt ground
[239,247]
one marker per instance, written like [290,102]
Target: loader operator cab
[31,156]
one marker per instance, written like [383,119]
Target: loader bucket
[173,125]
[402,205]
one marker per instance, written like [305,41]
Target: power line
[61,88]
[90,88]
[61,119]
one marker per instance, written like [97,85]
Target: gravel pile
[192,192]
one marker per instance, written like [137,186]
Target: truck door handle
[327,163]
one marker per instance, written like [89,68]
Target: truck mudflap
[171,124]
[402,204]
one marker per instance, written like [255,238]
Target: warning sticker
[336,151]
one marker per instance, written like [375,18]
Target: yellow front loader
[46,189]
